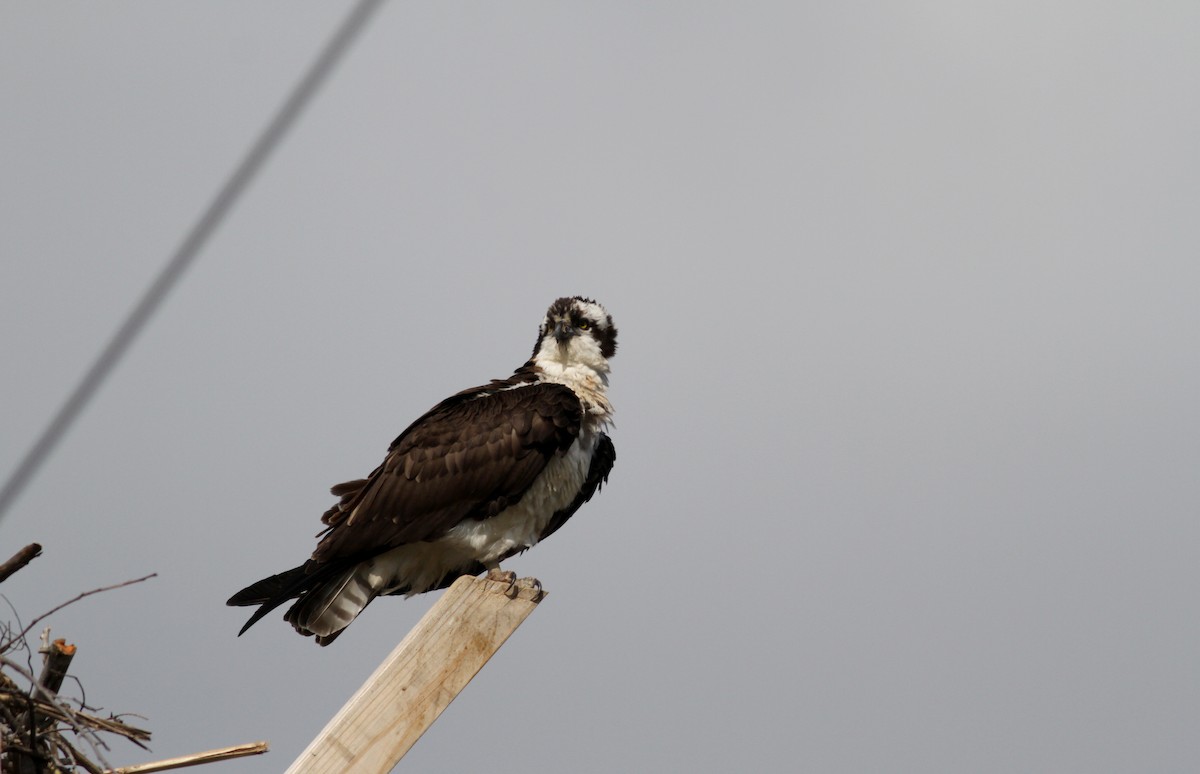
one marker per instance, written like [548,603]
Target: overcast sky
[907,425]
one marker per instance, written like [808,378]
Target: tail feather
[327,598]
[270,593]
[327,609]
[271,589]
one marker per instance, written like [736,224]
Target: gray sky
[907,418]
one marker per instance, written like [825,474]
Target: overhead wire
[195,239]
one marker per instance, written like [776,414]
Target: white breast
[520,525]
[422,565]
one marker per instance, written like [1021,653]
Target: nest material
[42,732]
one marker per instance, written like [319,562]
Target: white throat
[580,366]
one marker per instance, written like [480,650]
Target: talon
[532,584]
[507,577]
[536,586]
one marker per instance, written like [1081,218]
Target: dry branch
[21,634]
[34,720]
[212,756]
[58,655]
[19,560]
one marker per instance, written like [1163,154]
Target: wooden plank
[420,678]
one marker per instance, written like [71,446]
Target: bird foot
[507,577]
[502,576]
[535,585]
[513,585]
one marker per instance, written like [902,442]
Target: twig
[19,560]
[79,720]
[212,756]
[54,711]
[84,728]
[9,641]
[21,634]
[80,759]
[46,715]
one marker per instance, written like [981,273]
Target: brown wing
[468,458]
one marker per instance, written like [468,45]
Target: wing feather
[467,458]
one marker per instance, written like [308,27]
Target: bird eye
[583,325]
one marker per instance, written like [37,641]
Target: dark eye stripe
[602,330]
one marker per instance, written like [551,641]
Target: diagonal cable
[187,251]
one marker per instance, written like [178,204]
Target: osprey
[483,475]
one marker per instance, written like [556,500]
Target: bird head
[576,332]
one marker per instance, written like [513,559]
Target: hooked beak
[563,331]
